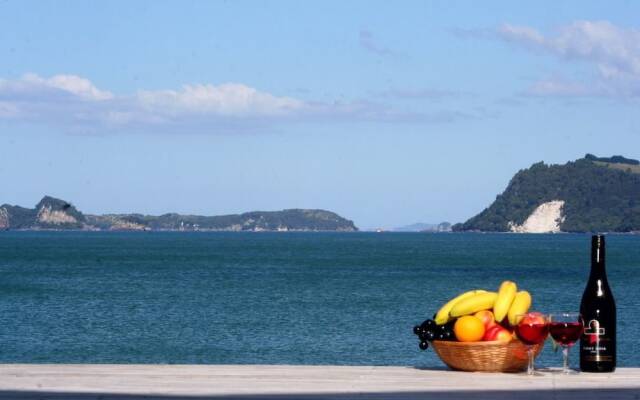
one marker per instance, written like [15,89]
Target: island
[55,214]
[424,227]
[591,194]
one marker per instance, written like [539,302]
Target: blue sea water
[278,298]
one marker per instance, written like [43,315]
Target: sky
[388,113]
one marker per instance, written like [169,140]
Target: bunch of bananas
[506,302]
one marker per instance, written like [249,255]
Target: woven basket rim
[490,356]
[471,344]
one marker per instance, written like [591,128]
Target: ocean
[278,298]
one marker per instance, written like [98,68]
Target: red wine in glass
[566,328]
[532,334]
[566,333]
[532,329]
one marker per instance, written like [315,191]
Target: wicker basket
[492,356]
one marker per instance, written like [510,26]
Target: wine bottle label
[593,330]
[596,345]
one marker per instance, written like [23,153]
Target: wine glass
[532,329]
[566,328]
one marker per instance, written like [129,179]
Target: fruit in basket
[497,332]
[469,329]
[442,316]
[533,318]
[423,345]
[506,294]
[443,332]
[490,333]
[427,324]
[424,327]
[476,315]
[487,318]
[473,304]
[429,336]
[521,304]
[429,331]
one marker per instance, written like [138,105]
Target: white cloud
[521,34]
[613,51]
[73,84]
[230,99]
[74,100]
[57,84]
[77,104]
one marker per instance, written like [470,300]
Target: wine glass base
[560,371]
[569,372]
[535,373]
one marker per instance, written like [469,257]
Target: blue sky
[388,113]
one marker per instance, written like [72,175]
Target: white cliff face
[4,218]
[546,218]
[47,216]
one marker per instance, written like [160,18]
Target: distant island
[55,214]
[591,194]
[424,227]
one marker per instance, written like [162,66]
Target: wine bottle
[598,309]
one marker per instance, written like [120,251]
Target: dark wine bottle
[598,309]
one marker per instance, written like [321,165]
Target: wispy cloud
[368,42]
[559,87]
[77,104]
[74,101]
[614,53]
[230,99]
[56,86]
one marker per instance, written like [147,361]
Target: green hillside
[55,214]
[600,194]
[49,213]
[285,220]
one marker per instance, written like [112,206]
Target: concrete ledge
[169,382]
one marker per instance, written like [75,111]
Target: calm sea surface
[277,298]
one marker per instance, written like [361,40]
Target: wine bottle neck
[597,254]
[597,250]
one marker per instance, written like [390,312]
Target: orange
[468,329]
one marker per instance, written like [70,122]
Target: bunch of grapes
[428,331]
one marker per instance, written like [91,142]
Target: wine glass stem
[565,357]
[530,368]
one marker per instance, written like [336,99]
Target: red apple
[487,318]
[533,318]
[503,335]
[490,333]
[498,333]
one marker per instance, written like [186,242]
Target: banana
[442,316]
[506,294]
[520,305]
[474,303]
